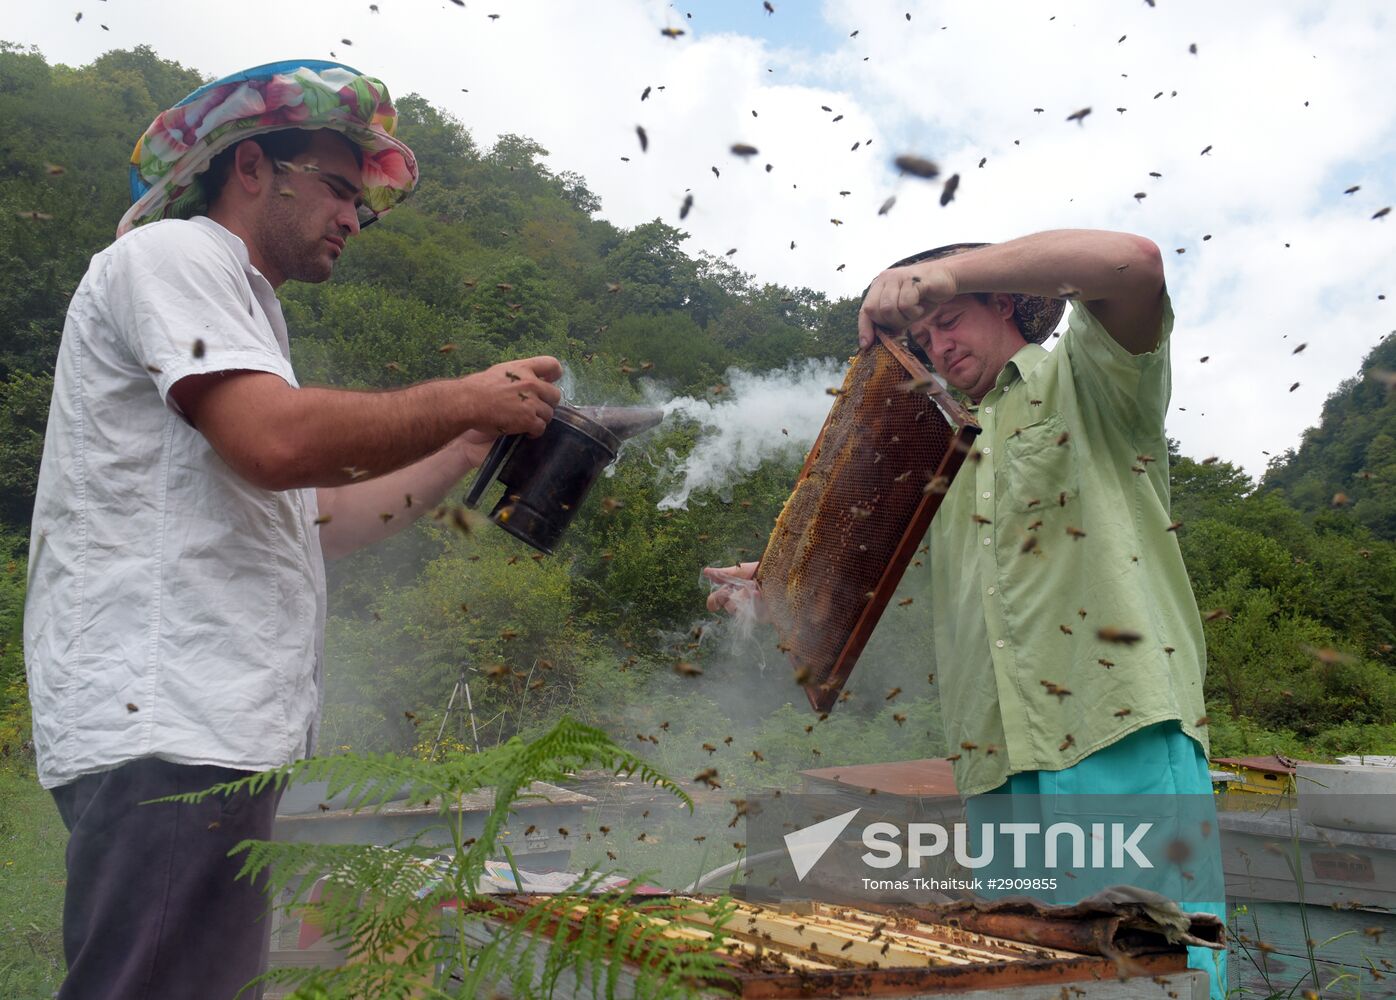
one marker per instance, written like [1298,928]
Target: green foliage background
[500,256]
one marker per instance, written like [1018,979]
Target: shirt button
[990,591]
[998,643]
[988,451]
[986,541]
[988,409]
[986,494]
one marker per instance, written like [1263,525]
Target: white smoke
[757,417]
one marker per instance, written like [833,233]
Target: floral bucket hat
[310,94]
[1035,315]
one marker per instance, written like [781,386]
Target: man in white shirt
[189,491]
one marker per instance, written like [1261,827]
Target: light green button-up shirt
[1057,528]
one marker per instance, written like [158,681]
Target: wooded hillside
[502,256]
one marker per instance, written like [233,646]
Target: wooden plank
[1341,944]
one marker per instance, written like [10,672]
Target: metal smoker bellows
[866,495]
[548,477]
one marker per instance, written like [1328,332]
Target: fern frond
[385,906]
[595,940]
[382,982]
[370,779]
[566,748]
[361,867]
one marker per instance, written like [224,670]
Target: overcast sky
[1293,99]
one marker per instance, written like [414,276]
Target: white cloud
[957,82]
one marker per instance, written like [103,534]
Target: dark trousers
[153,908]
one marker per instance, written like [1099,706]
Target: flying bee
[1122,636]
[917,166]
[947,193]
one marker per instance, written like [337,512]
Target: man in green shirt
[1069,648]
[1054,568]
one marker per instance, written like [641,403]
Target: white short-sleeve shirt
[174,610]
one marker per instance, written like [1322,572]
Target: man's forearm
[339,437]
[363,513]
[1119,275]
[1086,264]
[278,437]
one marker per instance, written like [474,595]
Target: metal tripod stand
[461,691]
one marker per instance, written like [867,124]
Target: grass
[32,839]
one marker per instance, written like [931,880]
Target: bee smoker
[546,478]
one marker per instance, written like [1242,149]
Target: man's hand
[475,447]
[734,586]
[515,397]
[900,296]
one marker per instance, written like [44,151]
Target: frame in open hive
[887,453]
